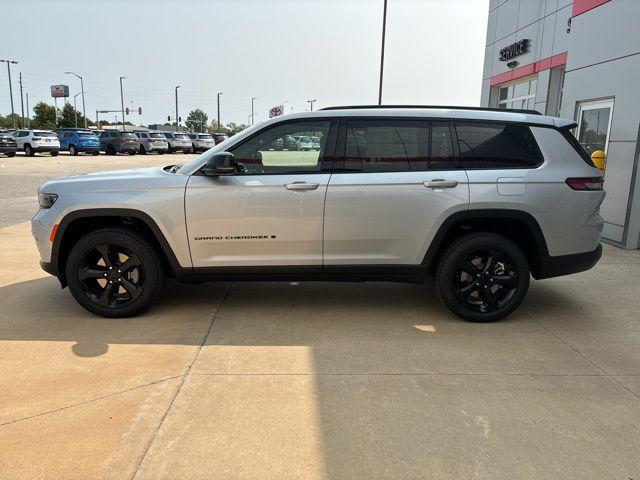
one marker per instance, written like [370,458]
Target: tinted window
[126,135]
[67,134]
[387,145]
[442,153]
[44,134]
[156,135]
[206,137]
[86,134]
[275,151]
[168,135]
[495,145]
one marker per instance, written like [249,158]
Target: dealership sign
[276,111]
[511,51]
[59,91]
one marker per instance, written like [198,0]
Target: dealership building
[577,59]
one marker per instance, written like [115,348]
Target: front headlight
[46,200]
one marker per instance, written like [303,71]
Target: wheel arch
[516,225]
[78,223]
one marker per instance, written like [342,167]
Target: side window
[387,145]
[67,134]
[442,153]
[495,145]
[275,150]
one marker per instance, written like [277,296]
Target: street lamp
[177,116]
[122,101]
[311,102]
[75,111]
[84,113]
[252,114]
[219,93]
[9,62]
[384,28]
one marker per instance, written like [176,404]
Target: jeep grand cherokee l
[481,199]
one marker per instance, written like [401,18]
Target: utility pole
[219,93]
[122,101]
[28,115]
[97,121]
[21,101]
[177,115]
[84,112]
[9,62]
[252,114]
[384,29]
[311,102]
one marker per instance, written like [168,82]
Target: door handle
[441,183]
[301,186]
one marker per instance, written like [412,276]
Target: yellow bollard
[599,159]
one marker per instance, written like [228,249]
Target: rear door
[395,181]
[270,213]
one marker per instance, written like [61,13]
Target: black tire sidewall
[154,273]
[460,250]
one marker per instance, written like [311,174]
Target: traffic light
[126,111]
[179,119]
[139,110]
[168,118]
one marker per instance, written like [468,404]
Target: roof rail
[448,107]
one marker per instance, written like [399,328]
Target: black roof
[448,107]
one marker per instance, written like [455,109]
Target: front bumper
[568,264]
[4,148]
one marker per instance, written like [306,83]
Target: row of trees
[45,118]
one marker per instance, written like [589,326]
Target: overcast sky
[275,50]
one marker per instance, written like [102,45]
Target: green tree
[230,128]
[11,121]
[69,115]
[197,120]
[44,116]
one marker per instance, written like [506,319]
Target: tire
[129,293]
[131,152]
[73,150]
[193,149]
[54,153]
[28,151]
[95,153]
[482,277]
[110,150]
[142,150]
[11,154]
[187,151]
[160,152]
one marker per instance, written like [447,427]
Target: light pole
[75,111]
[28,114]
[253,99]
[122,101]
[219,93]
[384,29]
[9,62]
[84,113]
[177,116]
[311,102]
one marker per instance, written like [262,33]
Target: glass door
[594,124]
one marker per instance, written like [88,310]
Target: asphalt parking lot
[310,380]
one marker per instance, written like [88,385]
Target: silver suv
[481,199]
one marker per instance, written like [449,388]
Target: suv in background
[116,141]
[201,142]
[7,144]
[152,142]
[481,199]
[77,141]
[33,141]
[178,141]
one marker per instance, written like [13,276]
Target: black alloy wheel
[114,272]
[482,277]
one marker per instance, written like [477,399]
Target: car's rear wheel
[54,153]
[11,154]
[482,277]
[131,152]
[73,150]
[28,151]
[95,153]
[114,272]
[110,150]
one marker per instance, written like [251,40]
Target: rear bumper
[50,268]
[568,264]
[45,148]
[88,148]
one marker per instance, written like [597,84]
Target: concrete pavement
[319,381]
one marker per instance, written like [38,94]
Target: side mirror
[219,164]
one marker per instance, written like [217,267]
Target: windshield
[181,136]
[44,134]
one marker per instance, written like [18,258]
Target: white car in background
[33,141]
[306,144]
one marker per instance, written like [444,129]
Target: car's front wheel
[73,150]
[482,277]
[114,272]
[29,151]
[54,153]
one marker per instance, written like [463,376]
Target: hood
[133,179]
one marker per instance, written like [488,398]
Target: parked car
[305,143]
[219,137]
[8,144]
[77,141]
[33,141]
[116,141]
[152,142]
[201,142]
[178,141]
[482,199]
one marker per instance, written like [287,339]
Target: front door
[396,180]
[270,213]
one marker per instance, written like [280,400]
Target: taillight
[36,139]
[585,183]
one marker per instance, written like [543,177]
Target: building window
[518,95]
[594,124]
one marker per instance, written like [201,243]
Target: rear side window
[577,146]
[386,146]
[497,146]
